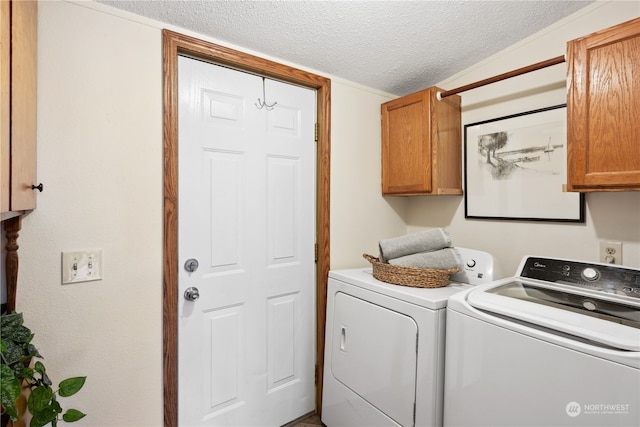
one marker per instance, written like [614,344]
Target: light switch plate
[81,266]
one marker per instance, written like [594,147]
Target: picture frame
[515,168]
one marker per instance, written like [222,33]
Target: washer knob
[471,263]
[590,273]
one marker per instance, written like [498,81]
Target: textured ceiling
[395,46]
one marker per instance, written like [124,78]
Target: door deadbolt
[191,265]
[192,294]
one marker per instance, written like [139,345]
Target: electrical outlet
[81,266]
[611,252]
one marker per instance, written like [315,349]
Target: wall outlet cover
[610,252]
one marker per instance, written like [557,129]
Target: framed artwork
[516,166]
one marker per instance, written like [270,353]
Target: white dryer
[384,347]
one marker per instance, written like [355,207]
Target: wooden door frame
[175,44]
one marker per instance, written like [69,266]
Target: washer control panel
[612,279]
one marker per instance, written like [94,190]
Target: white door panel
[247,214]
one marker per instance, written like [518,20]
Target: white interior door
[247,214]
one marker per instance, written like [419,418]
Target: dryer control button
[471,263]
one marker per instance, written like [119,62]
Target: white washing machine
[556,345]
[384,347]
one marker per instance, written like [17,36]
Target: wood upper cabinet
[18,55]
[422,145]
[603,110]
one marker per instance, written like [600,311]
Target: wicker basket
[407,276]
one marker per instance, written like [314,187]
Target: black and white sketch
[515,167]
[504,163]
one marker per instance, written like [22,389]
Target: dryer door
[374,352]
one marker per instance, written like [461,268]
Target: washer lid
[605,321]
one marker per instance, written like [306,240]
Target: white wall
[360,216]
[609,216]
[100,159]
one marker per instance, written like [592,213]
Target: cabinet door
[24,18]
[5,104]
[603,110]
[406,147]
[446,144]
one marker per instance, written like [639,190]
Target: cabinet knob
[38,187]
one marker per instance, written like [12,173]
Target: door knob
[192,294]
[191,265]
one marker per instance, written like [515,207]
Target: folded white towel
[443,259]
[423,241]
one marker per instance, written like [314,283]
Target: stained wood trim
[12,229]
[175,44]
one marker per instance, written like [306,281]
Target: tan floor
[311,421]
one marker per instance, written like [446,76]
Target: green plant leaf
[6,373]
[9,391]
[39,399]
[9,323]
[72,415]
[13,352]
[26,373]
[55,405]
[32,351]
[43,417]
[9,383]
[16,353]
[21,334]
[11,411]
[71,386]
